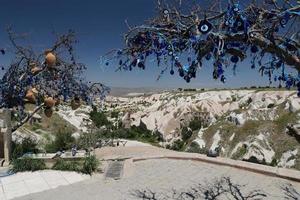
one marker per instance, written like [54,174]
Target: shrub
[63,165]
[186,134]
[241,151]
[27,145]
[99,118]
[178,145]
[195,148]
[90,165]
[63,140]
[195,124]
[114,114]
[27,164]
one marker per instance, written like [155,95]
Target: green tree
[99,118]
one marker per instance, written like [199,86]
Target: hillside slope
[255,125]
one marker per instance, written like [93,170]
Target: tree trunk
[7,136]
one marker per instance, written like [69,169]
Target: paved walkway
[22,184]
[152,168]
[162,176]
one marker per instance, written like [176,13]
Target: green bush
[186,134]
[63,140]
[63,165]
[178,145]
[195,124]
[27,145]
[195,148]
[90,165]
[98,118]
[27,164]
[114,114]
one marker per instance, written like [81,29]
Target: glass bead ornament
[205,26]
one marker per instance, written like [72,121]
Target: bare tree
[290,192]
[218,189]
[225,32]
[45,78]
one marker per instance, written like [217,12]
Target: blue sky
[100,25]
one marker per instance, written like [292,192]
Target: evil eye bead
[223,79]
[205,26]
[187,79]
[141,65]
[283,22]
[254,49]
[119,52]
[181,72]
[166,12]
[228,46]
[298,85]
[208,56]
[234,59]
[172,72]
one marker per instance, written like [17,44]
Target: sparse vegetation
[195,148]
[195,124]
[99,118]
[88,166]
[64,165]
[178,145]
[27,164]
[63,140]
[241,151]
[28,145]
[186,133]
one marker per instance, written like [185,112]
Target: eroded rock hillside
[255,125]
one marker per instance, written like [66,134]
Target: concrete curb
[283,173]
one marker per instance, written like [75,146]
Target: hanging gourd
[31,95]
[205,26]
[49,102]
[75,103]
[50,58]
[48,112]
[34,69]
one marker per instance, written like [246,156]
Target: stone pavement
[161,176]
[157,169]
[25,183]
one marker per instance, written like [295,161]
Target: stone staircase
[114,170]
